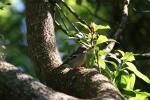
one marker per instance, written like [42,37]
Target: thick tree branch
[83,83]
[16,85]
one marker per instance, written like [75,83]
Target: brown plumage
[77,58]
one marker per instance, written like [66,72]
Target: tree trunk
[41,37]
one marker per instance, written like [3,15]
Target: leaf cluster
[118,66]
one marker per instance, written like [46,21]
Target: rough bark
[16,85]
[41,37]
[83,83]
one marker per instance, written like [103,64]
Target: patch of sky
[23,29]
[18,5]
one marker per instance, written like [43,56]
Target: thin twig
[67,17]
[96,16]
[124,18]
[143,56]
[61,28]
[75,14]
[144,11]
[62,20]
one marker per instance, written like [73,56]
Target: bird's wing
[71,57]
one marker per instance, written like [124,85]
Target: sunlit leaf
[124,79]
[121,52]
[130,82]
[112,63]
[114,57]
[72,33]
[140,96]
[108,73]
[101,39]
[84,25]
[73,38]
[112,40]
[99,27]
[101,62]
[102,52]
[128,56]
[90,58]
[132,68]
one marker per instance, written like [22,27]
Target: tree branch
[119,30]
[143,56]
[16,85]
[83,83]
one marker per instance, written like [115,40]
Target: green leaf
[73,38]
[128,56]
[84,25]
[112,40]
[121,52]
[140,96]
[108,73]
[131,82]
[132,68]
[113,63]
[102,52]
[128,93]
[99,27]
[90,58]
[114,57]
[101,39]
[101,62]
[72,33]
[124,80]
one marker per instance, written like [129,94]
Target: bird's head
[82,50]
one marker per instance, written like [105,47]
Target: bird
[77,58]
